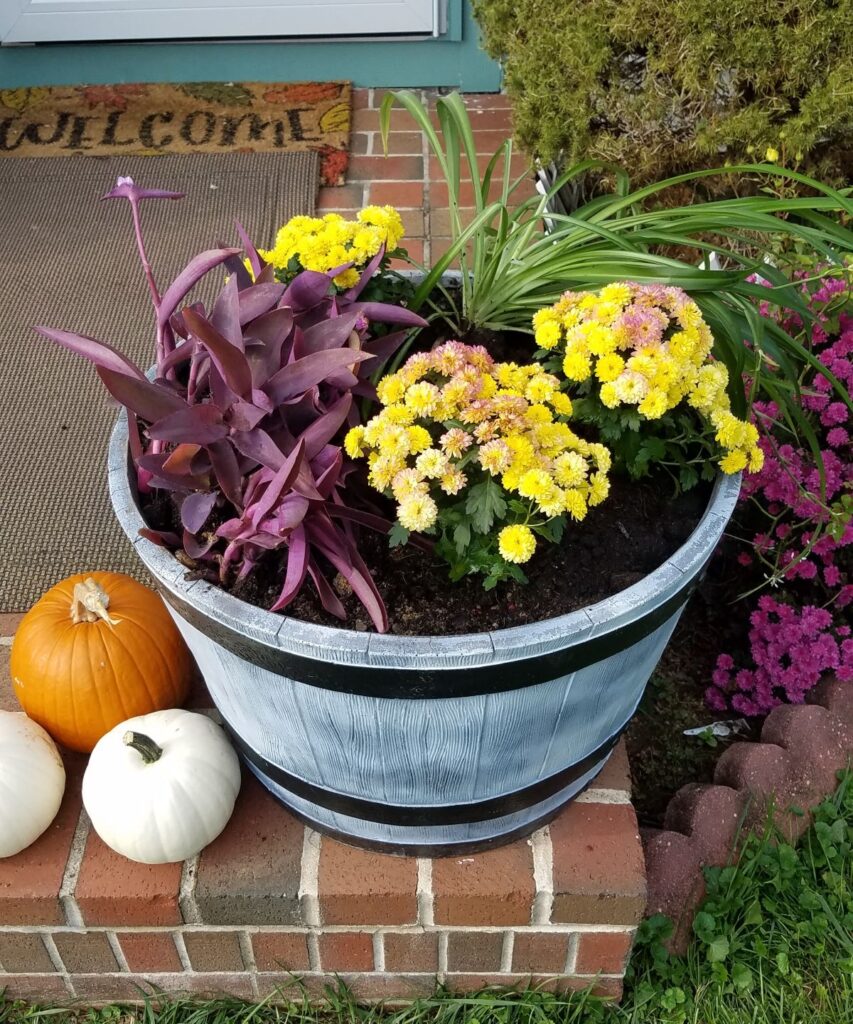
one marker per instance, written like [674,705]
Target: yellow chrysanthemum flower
[516,543]
[419,512]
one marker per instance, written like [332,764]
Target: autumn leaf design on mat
[206,117]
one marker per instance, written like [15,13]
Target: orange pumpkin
[95,650]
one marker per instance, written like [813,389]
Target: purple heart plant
[240,415]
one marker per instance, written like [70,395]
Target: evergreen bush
[665,87]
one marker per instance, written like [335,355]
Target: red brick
[492,888]
[468,983]
[85,952]
[359,142]
[400,142]
[413,225]
[36,988]
[150,952]
[411,952]
[386,168]
[401,194]
[616,774]
[217,952]
[112,890]
[540,952]
[9,622]
[384,987]
[474,952]
[359,887]
[360,98]
[24,954]
[519,164]
[415,248]
[95,989]
[487,101]
[280,951]
[367,120]
[346,951]
[440,199]
[599,873]
[341,198]
[30,881]
[251,873]
[603,952]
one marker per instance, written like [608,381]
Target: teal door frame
[454,59]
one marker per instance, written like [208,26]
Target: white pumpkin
[160,787]
[32,782]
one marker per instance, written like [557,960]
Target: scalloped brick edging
[793,766]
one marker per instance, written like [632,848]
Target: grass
[773,944]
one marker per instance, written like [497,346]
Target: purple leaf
[297,377]
[307,289]
[230,361]
[180,459]
[297,567]
[324,429]
[235,267]
[332,333]
[258,445]
[188,278]
[366,275]
[195,510]
[282,480]
[328,598]
[226,314]
[227,471]
[385,313]
[289,514]
[126,188]
[255,260]
[374,522]
[194,424]
[347,561]
[162,538]
[151,402]
[383,348]
[97,352]
[245,416]
[177,356]
[196,548]
[258,299]
[329,477]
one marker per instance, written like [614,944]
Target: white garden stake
[32,781]
[161,787]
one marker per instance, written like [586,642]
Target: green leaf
[754,914]
[741,977]
[718,950]
[782,964]
[484,504]
[462,537]
[398,536]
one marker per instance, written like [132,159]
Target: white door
[52,21]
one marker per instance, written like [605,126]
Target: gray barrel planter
[425,745]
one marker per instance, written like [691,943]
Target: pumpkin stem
[146,747]
[90,602]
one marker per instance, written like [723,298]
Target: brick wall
[270,897]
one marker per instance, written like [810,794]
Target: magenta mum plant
[803,506]
[240,418]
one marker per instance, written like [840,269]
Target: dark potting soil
[620,541]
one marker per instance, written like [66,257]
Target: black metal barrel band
[417,684]
[417,816]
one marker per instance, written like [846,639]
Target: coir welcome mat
[203,117]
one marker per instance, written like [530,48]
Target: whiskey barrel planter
[425,745]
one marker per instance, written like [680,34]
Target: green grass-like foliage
[512,266]
[773,945]
[662,88]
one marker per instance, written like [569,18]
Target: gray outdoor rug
[68,260]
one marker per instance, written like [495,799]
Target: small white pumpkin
[32,782]
[161,787]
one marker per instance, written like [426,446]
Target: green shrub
[666,87]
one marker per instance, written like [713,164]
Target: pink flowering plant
[795,520]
